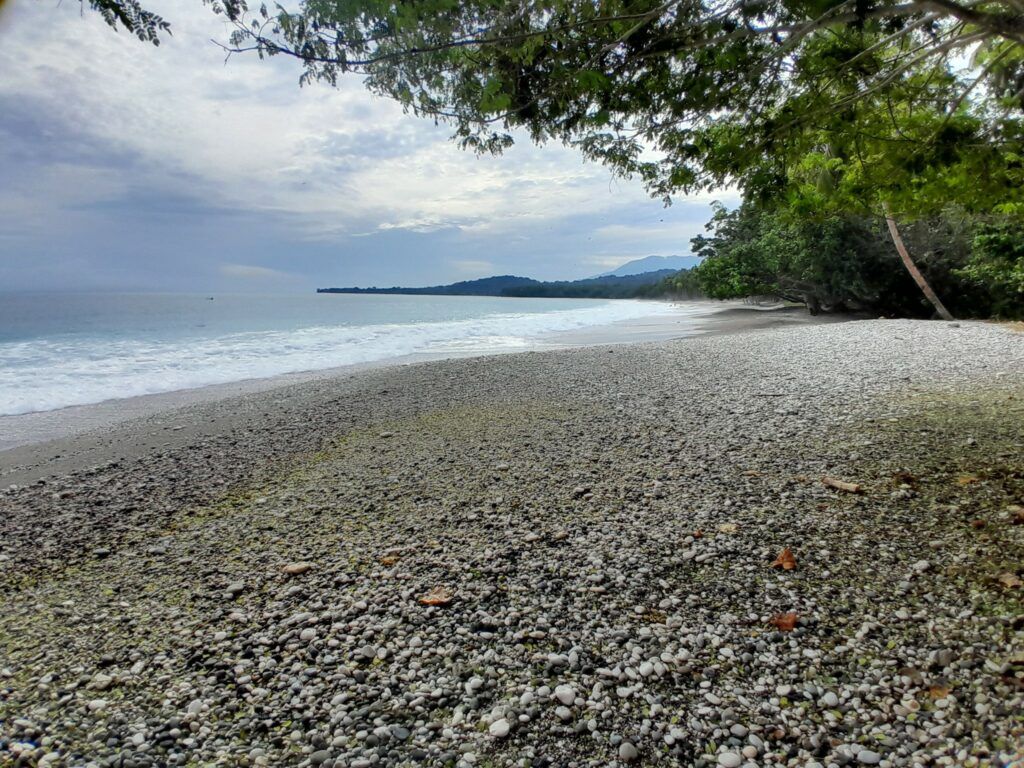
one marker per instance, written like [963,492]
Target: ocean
[60,350]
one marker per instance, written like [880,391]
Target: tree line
[847,263]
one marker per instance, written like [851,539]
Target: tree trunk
[912,267]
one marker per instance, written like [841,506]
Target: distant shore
[560,556]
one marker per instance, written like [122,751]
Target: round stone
[565,694]
[499,728]
[627,752]
[730,760]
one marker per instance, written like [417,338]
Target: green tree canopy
[692,94]
[859,100]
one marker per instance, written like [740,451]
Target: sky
[125,166]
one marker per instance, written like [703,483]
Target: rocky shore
[571,558]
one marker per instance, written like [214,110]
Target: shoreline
[34,445]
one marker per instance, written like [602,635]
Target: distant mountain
[653,264]
[604,287]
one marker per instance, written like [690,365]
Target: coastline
[601,521]
[34,445]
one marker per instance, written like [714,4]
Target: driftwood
[841,485]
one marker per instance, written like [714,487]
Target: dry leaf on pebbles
[437,596]
[1009,580]
[905,478]
[784,622]
[1017,514]
[786,560]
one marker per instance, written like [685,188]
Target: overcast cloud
[124,166]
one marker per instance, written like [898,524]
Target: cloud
[419,225]
[657,236]
[251,272]
[125,164]
[608,262]
[474,267]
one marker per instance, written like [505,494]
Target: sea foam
[49,373]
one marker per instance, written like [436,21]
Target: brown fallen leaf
[698,533]
[437,596]
[296,569]
[904,478]
[389,560]
[967,479]
[752,473]
[728,528]
[841,485]
[977,524]
[784,622]
[1017,513]
[786,561]
[1009,580]
[938,691]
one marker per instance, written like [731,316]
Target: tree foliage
[686,94]
[996,266]
[129,14]
[694,95]
[843,263]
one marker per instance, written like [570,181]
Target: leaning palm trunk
[912,267]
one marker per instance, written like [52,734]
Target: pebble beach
[793,546]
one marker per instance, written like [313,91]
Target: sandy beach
[554,558]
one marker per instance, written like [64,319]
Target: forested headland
[643,285]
